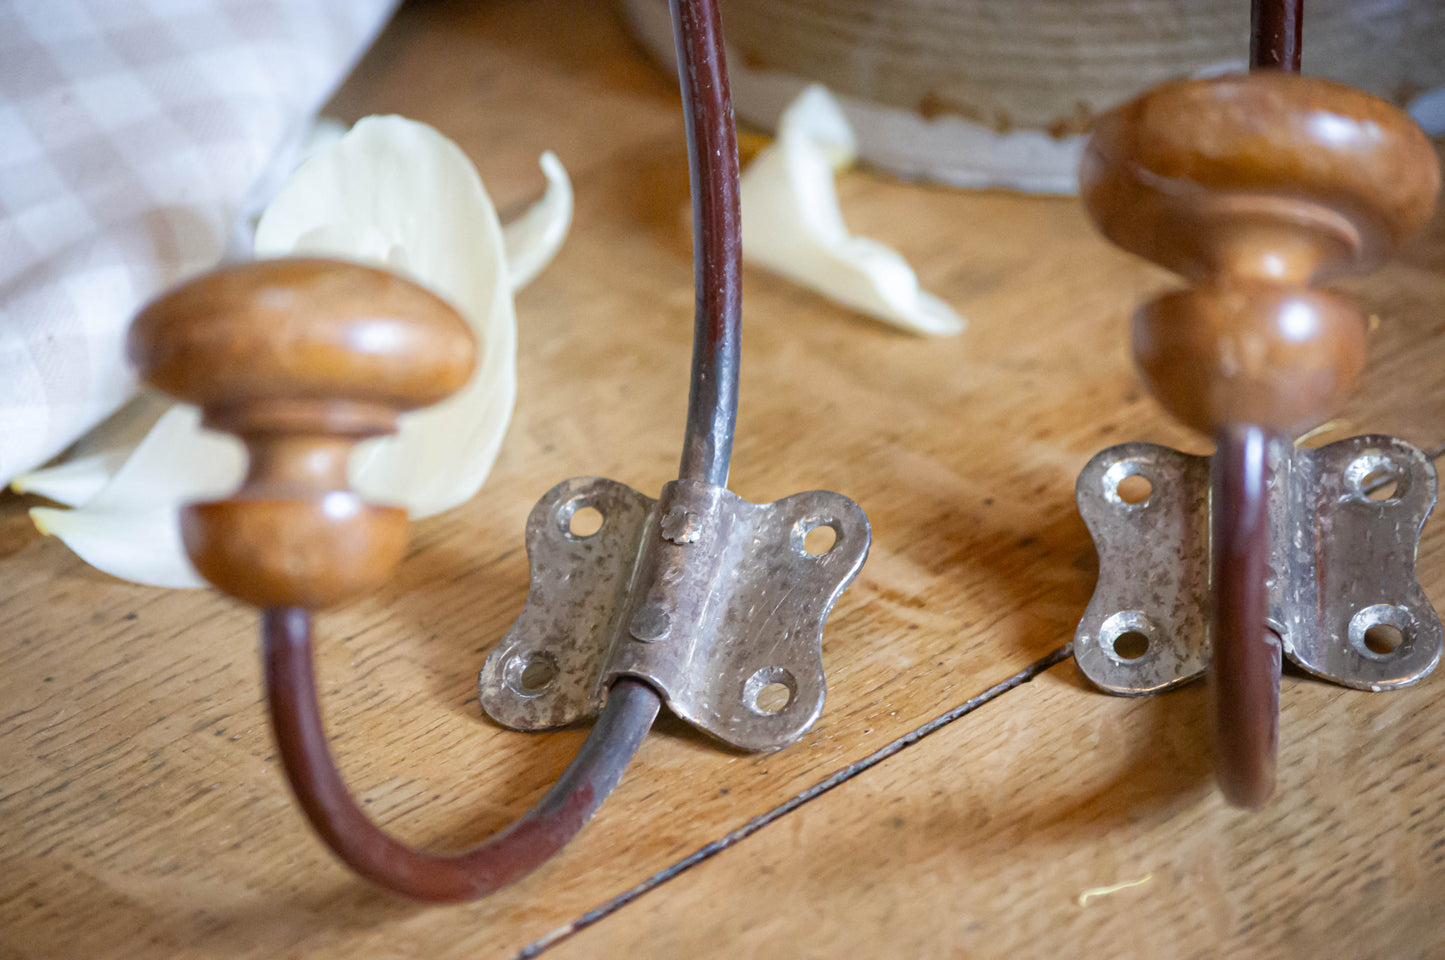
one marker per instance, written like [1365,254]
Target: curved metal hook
[438,878]
[1246,653]
[632,706]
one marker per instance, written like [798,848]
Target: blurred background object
[998,93]
[135,140]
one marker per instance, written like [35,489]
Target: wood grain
[142,812]
[1095,834]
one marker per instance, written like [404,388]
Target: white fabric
[134,137]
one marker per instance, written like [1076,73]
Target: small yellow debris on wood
[1083,898]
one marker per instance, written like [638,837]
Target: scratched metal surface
[709,598]
[1153,569]
[1344,556]
[1345,524]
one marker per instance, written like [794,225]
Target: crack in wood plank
[838,778]
[812,793]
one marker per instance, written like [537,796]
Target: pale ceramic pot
[990,93]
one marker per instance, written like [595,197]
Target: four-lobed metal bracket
[1345,523]
[730,634]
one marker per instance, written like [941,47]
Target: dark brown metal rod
[1275,29]
[1246,664]
[1246,653]
[712,149]
[436,878]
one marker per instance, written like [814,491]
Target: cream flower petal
[533,239]
[363,200]
[391,192]
[94,460]
[792,225]
[143,546]
[131,527]
[177,462]
[73,482]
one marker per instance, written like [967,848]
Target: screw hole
[1380,485]
[1375,478]
[538,676]
[1384,639]
[585,522]
[772,698]
[769,691]
[579,519]
[820,540]
[1381,630]
[1127,636]
[816,536]
[529,674]
[1125,484]
[1131,645]
[1134,490]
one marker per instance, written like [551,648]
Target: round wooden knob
[301,358]
[1267,174]
[1252,187]
[1281,358]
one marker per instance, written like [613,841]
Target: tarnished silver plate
[1345,523]
[716,602]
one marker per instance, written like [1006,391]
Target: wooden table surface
[931,812]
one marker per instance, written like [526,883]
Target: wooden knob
[1249,351]
[302,359]
[1253,187]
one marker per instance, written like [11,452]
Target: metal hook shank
[437,878]
[712,154]
[1275,32]
[1246,652]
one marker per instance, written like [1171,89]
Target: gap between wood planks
[812,793]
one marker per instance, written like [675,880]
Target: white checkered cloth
[135,136]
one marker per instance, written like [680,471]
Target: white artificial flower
[393,193]
[792,225]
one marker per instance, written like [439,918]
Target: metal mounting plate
[709,598]
[1345,522]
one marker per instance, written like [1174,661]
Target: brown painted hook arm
[386,861]
[1275,32]
[712,153]
[1246,653]
[1246,663]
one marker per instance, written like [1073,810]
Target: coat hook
[303,358]
[1253,188]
